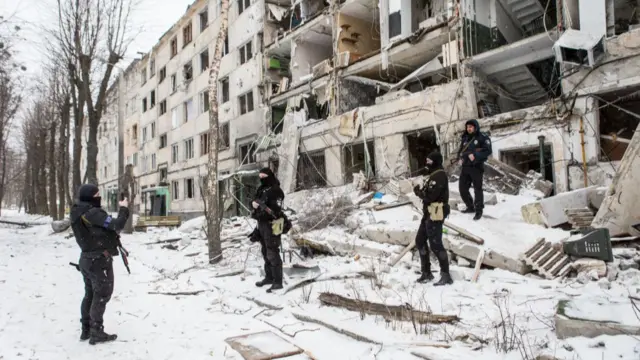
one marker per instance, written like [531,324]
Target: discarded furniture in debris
[550,211]
[147,221]
[547,259]
[594,244]
[263,346]
[580,218]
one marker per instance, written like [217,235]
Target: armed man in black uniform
[96,233]
[267,206]
[475,149]
[435,199]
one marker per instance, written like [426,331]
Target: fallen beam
[391,206]
[178,293]
[345,332]
[403,313]
[403,253]
[319,277]
[465,234]
[167,241]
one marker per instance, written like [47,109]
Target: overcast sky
[151,19]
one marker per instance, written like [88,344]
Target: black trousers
[97,273]
[471,175]
[430,233]
[270,248]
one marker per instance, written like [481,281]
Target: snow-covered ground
[39,309]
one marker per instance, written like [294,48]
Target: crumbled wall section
[354,94]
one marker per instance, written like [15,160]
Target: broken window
[356,159]
[163,107]
[174,47]
[528,158]
[204,60]
[187,35]
[175,153]
[144,105]
[277,118]
[189,110]
[204,144]
[175,120]
[144,135]
[174,83]
[617,124]
[243,5]
[152,68]
[204,101]
[175,187]
[224,90]
[204,19]
[153,130]
[152,99]
[225,48]
[246,103]
[247,154]
[311,171]
[245,53]
[189,188]
[187,72]
[420,144]
[162,174]
[224,136]
[163,141]
[153,161]
[163,74]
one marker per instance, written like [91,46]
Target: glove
[416,190]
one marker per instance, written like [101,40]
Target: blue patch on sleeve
[107,221]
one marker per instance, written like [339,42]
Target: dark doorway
[311,172]
[617,125]
[355,160]
[421,144]
[525,159]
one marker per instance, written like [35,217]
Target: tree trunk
[63,157]
[92,151]
[127,187]
[213,202]
[3,178]
[78,120]
[53,206]
[43,202]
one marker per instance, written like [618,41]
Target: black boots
[425,267]
[277,279]
[268,277]
[443,260]
[97,335]
[478,215]
[445,279]
[85,333]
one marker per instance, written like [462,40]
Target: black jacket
[95,230]
[436,186]
[269,194]
[477,144]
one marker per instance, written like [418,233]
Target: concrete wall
[386,123]
[367,41]
[107,140]
[601,174]
[622,68]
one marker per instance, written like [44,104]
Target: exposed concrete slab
[592,317]
[620,210]
[289,150]
[550,211]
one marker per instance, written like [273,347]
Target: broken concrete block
[491,200]
[624,253]
[619,209]
[612,272]
[463,262]
[629,277]
[597,197]
[592,317]
[586,265]
[550,211]
[628,264]
[535,181]
[604,284]
[469,250]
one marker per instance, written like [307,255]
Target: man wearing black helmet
[96,233]
[267,209]
[475,149]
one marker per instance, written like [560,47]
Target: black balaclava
[436,161]
[87,193]
[270,179]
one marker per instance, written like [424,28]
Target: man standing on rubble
[475,149]
[267,209]
[435,199]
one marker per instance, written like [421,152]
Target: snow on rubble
[338,266]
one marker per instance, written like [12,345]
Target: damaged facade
[320,90]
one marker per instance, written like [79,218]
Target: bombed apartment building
[372,87]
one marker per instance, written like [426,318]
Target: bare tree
[213,199]
[10,100]
[93,39]
[128,188]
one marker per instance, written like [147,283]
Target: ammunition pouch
[436,211]
[277,226]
